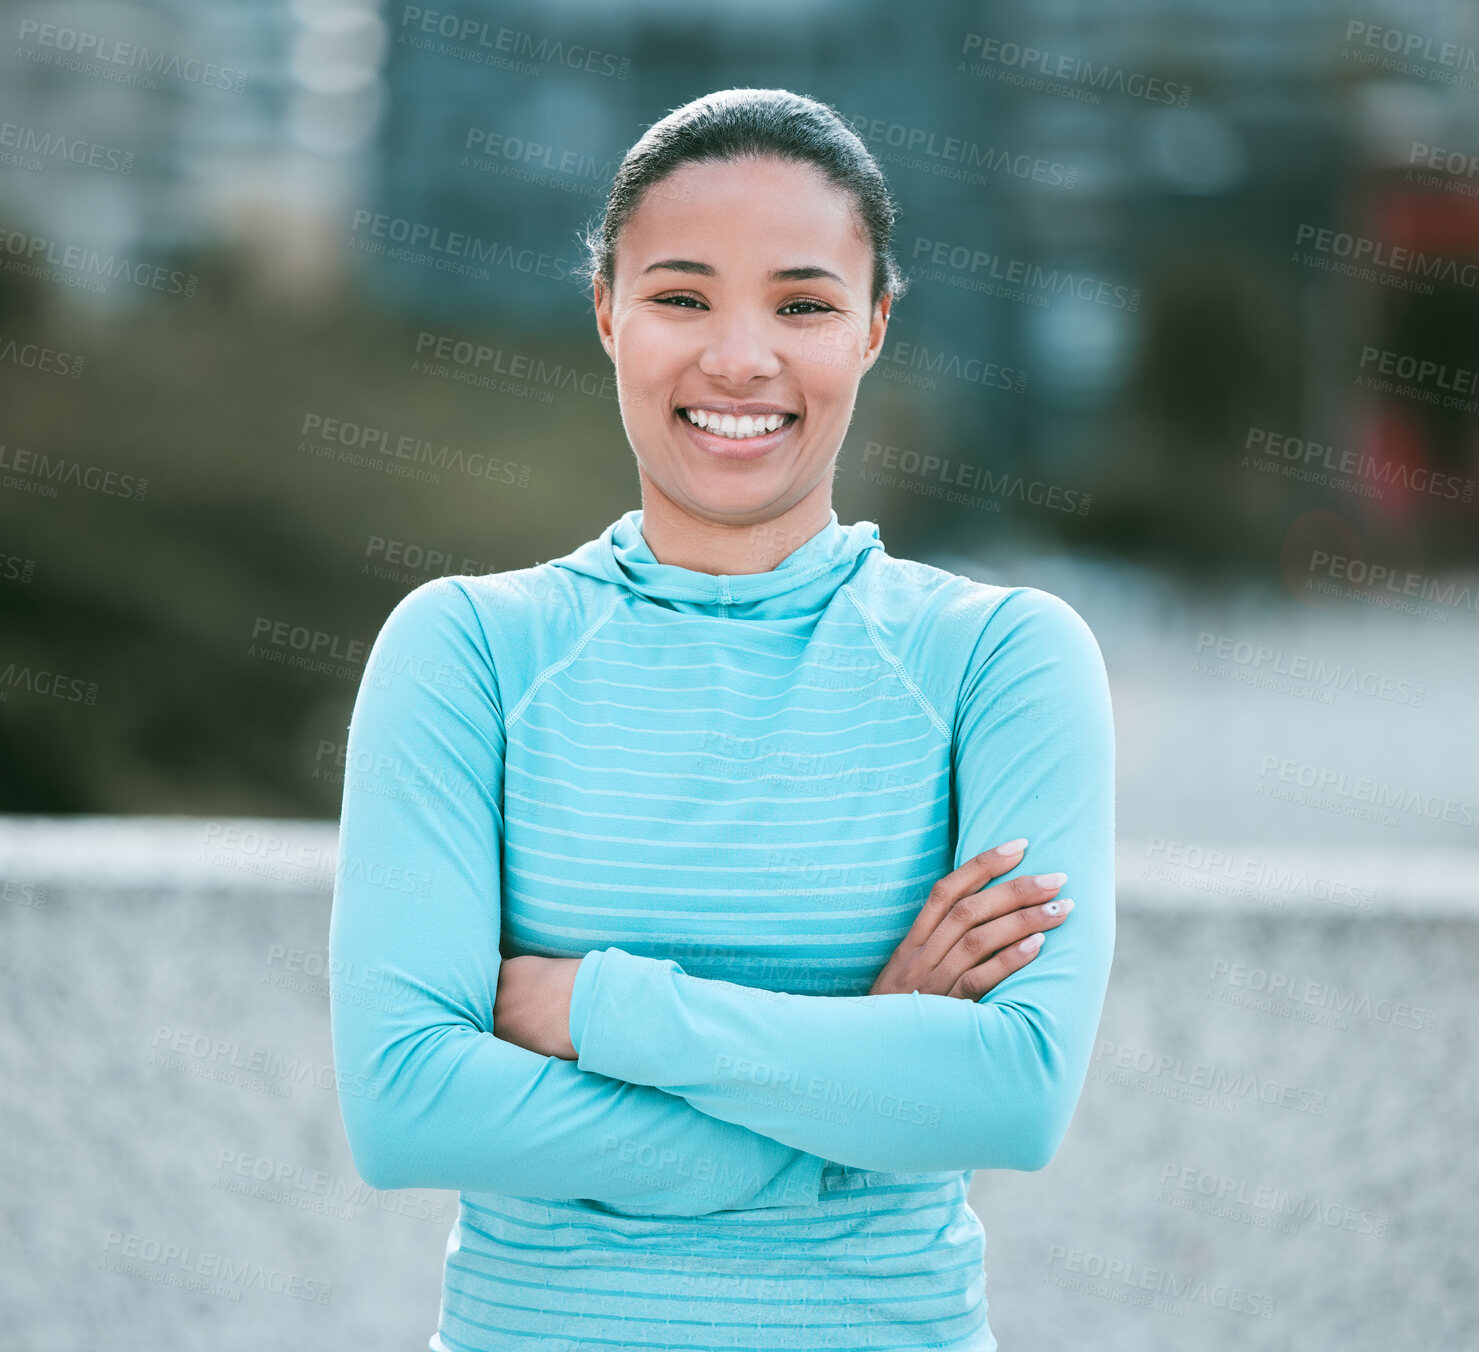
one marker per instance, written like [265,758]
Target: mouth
[746,437]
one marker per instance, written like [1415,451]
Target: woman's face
[740,288]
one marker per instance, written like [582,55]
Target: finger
[980,943]
[975,983]
[976,908]
[970,877]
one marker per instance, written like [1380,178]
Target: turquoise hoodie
[729,797]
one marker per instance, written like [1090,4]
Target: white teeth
[727,425]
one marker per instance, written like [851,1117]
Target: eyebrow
[804,274]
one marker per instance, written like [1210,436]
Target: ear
[603,318]
[877,328]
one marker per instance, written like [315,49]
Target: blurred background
[288,326]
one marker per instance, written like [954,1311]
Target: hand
[531,1007]
[965,940]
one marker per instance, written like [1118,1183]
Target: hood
[801,584]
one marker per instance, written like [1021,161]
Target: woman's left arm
[919,1083]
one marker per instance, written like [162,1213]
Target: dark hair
[733,124]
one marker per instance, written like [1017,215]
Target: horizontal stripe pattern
[885,1261]
[721,816]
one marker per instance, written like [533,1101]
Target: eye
[676,298]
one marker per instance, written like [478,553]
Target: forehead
[747,216]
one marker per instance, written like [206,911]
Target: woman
[672,854]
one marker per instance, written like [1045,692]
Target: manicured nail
[1061,907]
[1030,943]
[1051,879]
[1012,847]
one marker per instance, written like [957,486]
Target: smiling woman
[760,286]
[714,992]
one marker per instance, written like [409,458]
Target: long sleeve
[915,1083]
[430,1095]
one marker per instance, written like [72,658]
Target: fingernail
[1030,943]
[1051,879]
[1058,907]
[1012,846]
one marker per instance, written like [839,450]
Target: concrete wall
[1241,1173]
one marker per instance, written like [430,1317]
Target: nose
[737,349]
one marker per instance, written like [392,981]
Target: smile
[728,436]
[740,428]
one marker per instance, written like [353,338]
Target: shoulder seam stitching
[562,662]
[898,667]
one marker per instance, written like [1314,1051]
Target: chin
[736,508]
[728,502]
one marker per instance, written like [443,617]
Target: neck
[720,548]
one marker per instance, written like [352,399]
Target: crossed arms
[674,1106]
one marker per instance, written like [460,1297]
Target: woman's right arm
[431,1097]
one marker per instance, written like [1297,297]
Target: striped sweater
[728,796]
